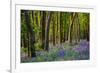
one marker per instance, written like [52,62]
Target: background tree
[30,30]
[43,22]
[47,31]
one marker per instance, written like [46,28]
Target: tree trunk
[65,27]
[53,28]
[47,31]
[32,34]
[78,27]
[28,35]
[72,17]
[57,34]
[61,33]
[43,22]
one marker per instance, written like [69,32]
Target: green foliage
[84,23]
[24,50]
[39,59]
[67,45]
[53,56]
[38,46]
[60,27]
[36,29]
[71,55]
[53,53]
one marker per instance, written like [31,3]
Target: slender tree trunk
[88,29]
[28,44]
[61,34]
[88,35]
[78,27]
[32,34]
[37,21]
[64,28]
[57,34]
[53,28]
[72,17]
[22,44]
[43,22]
[47,31]
[24,39]
[64,35]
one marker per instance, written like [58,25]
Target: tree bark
[47,31]
[32,34]
[61,34]
[53,28]
[78,27]
[72,17]
[43,22]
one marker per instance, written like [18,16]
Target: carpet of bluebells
[62,52]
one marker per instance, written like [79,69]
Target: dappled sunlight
[54,36]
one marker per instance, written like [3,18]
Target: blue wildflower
[61,53]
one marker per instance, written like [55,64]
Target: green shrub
[24,50]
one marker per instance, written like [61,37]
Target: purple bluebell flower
[83,46]
[61,53]
[83,43]
[77,49]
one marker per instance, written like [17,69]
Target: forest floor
[62,52]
